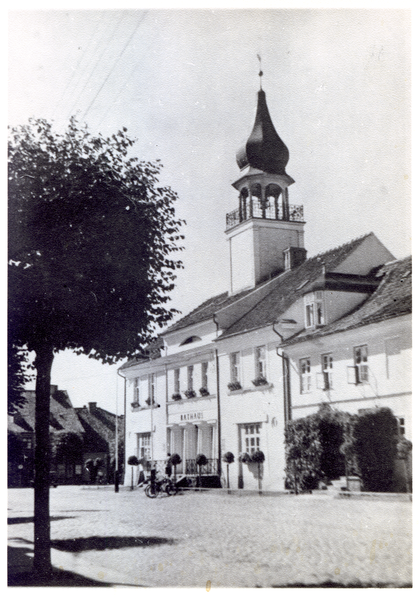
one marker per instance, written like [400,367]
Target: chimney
[294,257]
[92,406]
[53,389]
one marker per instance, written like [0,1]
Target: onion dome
[264,149]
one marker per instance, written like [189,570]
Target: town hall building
[291,333]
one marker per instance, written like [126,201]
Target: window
[151,387]
[204,375]
[190,377]
[144,445]
[176,381]
[326,381]
[314,309]
[137,391]
[361,360]
[251,437]
[260,357]
[235,367]
[190,340]
[305,375]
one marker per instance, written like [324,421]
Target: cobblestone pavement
[227,540]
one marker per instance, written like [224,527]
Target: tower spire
[260,70]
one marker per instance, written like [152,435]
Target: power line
[94,67]
[75,70]
[115,63]
[118,94]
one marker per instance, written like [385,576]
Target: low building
[76,434]
[228,376]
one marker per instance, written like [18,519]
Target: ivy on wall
[330,444]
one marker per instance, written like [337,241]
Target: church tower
[265,233]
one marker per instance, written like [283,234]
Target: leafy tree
[92,237]
[312,446]
[17,376]
[133,462]
[375,446]
[228,458]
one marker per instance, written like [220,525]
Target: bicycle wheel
[171,489]
[151,491]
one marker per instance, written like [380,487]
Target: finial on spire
[260,72]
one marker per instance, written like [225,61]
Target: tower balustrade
[273,213]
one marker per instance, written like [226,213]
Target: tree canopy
[91,242]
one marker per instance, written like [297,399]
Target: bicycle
[160,486]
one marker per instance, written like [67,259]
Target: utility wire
[115,63]
[111,104]
[75,70]
[94,67]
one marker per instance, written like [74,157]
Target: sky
[184,83]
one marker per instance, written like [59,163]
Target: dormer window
[314,309]
[191,340]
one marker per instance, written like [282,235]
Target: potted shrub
[201,461]
[203,391]
[259,458]
[133,462]
[234,385]
[260,380]
[244,457]
[176,397]
[190,394]
[175,460]
[228,458]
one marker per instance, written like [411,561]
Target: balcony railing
[186,467]
[296,214]
[191,468]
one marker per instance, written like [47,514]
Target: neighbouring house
[76,434]
[99,439]
[291,333]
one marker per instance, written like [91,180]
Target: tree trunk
[42,553]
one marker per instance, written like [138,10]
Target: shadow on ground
[107,543]
[20,520]
[335,584]
[21,573]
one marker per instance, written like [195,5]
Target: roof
[208,309]
[62,413]
[97,424]
[289,286]
[392,298]
[264,149]
[284,290]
